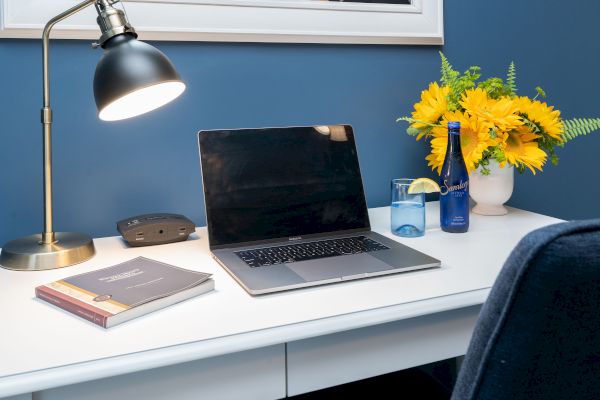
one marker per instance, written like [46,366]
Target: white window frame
[283,21]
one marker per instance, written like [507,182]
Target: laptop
[286,209]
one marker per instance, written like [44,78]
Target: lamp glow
[141,101]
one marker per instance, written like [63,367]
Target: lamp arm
[46,40]
[48,233]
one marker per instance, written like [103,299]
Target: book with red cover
[116,294]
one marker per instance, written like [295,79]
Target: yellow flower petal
[501,113]
[432,106]
[521,149]
[543,115]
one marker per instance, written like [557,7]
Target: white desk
[227,344]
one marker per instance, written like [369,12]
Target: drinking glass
[407,209]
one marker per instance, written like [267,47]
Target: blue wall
[108,171]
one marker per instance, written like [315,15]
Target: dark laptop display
[274,183]
[285,209]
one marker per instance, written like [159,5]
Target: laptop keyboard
[308,251]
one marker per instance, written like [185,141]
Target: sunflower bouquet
[496,123]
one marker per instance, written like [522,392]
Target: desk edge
[186,352]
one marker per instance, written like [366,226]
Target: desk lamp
[131,78]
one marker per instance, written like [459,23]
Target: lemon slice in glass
[423,185]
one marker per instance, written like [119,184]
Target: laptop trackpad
[338,267]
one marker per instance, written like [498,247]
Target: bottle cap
[453,124]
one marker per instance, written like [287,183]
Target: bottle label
[454,203]
[457,220]
[459,190]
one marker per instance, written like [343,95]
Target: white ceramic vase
[491,191]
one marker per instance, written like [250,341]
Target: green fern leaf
[511,78]
[448,73]
[450,77]
[540,92]
[412,131]
[579,127]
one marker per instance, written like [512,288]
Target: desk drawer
[344,357]
[252,374]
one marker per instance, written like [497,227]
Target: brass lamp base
[30,254]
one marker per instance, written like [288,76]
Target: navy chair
[538,334]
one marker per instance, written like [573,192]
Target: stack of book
[116,294]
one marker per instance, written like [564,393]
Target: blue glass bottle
[454,184]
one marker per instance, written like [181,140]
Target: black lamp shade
[132,78]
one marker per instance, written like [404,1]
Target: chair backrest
[538,334]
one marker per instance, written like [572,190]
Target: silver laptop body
[285,209]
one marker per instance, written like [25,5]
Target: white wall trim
[284,21]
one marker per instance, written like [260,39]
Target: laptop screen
[272,183]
